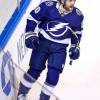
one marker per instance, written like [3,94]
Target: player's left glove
[32,42]
[74,52]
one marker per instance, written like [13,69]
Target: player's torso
[57,26]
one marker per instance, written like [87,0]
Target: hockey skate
[43,96]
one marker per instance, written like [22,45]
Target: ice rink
[81,81]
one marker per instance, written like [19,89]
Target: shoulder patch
[49,3]
[78,12]
[37,9]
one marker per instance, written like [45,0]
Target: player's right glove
[74,52]
[32,42]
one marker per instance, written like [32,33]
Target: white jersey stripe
[26,83]
[31,18]
[46,89]
[78,32]
[64,41]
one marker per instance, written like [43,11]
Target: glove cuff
[75,46]
[30,34]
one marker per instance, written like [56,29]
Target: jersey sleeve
[78,27]
[34,18]
[78,31]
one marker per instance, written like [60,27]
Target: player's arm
[76,36]
[74,51]
[35,17]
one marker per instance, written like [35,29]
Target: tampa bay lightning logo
[57,29]
[5,73]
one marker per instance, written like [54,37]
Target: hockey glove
[32,42]
[74,52]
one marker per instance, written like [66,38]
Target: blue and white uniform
[54,25]
[57,29]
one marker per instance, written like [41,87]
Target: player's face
[69,5]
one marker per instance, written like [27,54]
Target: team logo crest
[57,29]
[78,12]
[49,3]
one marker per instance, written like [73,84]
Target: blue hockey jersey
[55,23]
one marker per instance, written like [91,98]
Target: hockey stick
[71,61]
[14,85]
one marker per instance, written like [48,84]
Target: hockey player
[59,23]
